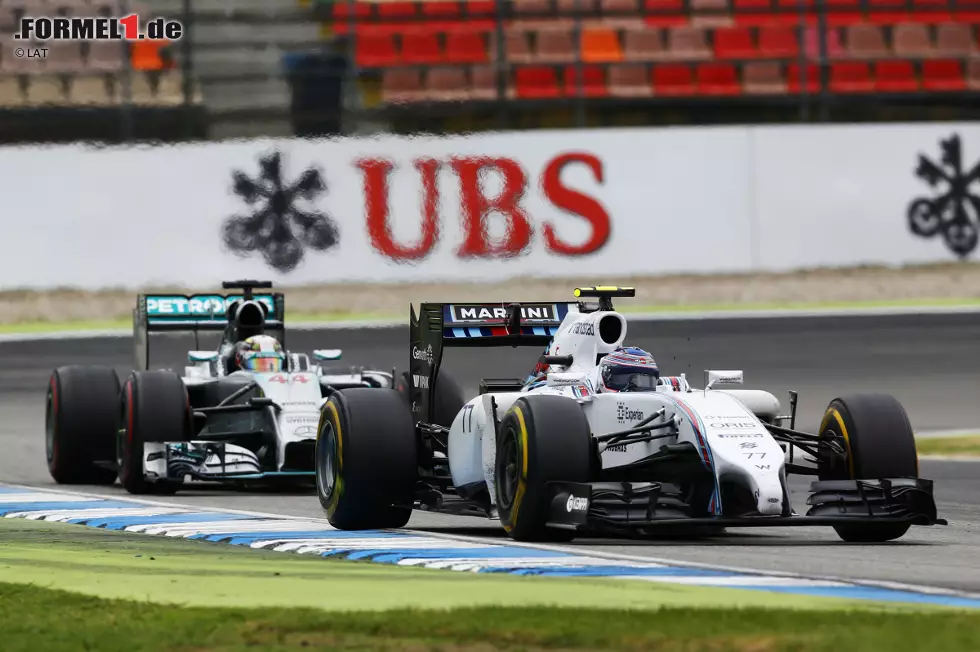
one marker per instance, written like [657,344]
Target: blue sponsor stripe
[476,555]
[248,538]
[616,571]
[406,553]
[474,332]
[9,508]
[122,522]
[459,332]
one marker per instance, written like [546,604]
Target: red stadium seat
[462,47]
[752,13]
[593,81]
[888,12]
[734,43]
[673,79]
[718,79]
[669,12]
[968,11]
[851,77]
[795,78]
[943,75]
[421,48]
[895,76]
[931,11]
[343,12]
[778,42]
[376,51]
[397,10]
[535,82]
[843,12]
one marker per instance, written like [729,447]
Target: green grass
[962,446]
[326,318]
[199,573]
[67,588]
[35,619]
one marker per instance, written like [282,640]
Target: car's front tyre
[366,459]
[154,407]
[878,442]
[541,439]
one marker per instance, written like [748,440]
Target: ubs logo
[953,210]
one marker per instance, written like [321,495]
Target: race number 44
[282,378]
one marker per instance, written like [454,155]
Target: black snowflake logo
[278,227]
[954,211]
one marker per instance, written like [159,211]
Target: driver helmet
[261,353]
[628,369]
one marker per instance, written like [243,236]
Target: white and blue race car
[567,452]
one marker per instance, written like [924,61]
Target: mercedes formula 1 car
[216,421]
[562,454]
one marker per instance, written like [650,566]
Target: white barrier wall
[556,203]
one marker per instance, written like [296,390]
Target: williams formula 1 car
[216,421]
[563,454]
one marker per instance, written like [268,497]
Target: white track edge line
[885,584]
[883,311]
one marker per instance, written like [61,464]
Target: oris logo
[734,425]
[625,414]
[423,355]
[576,504]
[582,328]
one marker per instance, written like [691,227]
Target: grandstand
[254,67]
[718,60]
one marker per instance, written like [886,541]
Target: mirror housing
[322,355]
[202,356]
[725,377]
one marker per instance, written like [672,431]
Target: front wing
[210,461]
[618,506]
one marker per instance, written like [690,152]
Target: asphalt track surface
[929,362]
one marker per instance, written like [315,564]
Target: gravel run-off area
[957,281]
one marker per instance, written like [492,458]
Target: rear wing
[439,325]
[196,313]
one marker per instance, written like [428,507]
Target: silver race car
[246,412]
[595,440]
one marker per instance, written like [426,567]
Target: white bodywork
[297,392]
[723,425]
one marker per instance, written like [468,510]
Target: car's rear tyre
[879,443]
[80,425]
[366,459]
[541,439]
[154,407]
[448,397]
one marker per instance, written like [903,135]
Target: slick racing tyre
[80,425]
[879,443]
[449,397]
[541,439]
[366,459]
[154,408]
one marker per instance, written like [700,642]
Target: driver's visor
[263,362]
[631,380]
